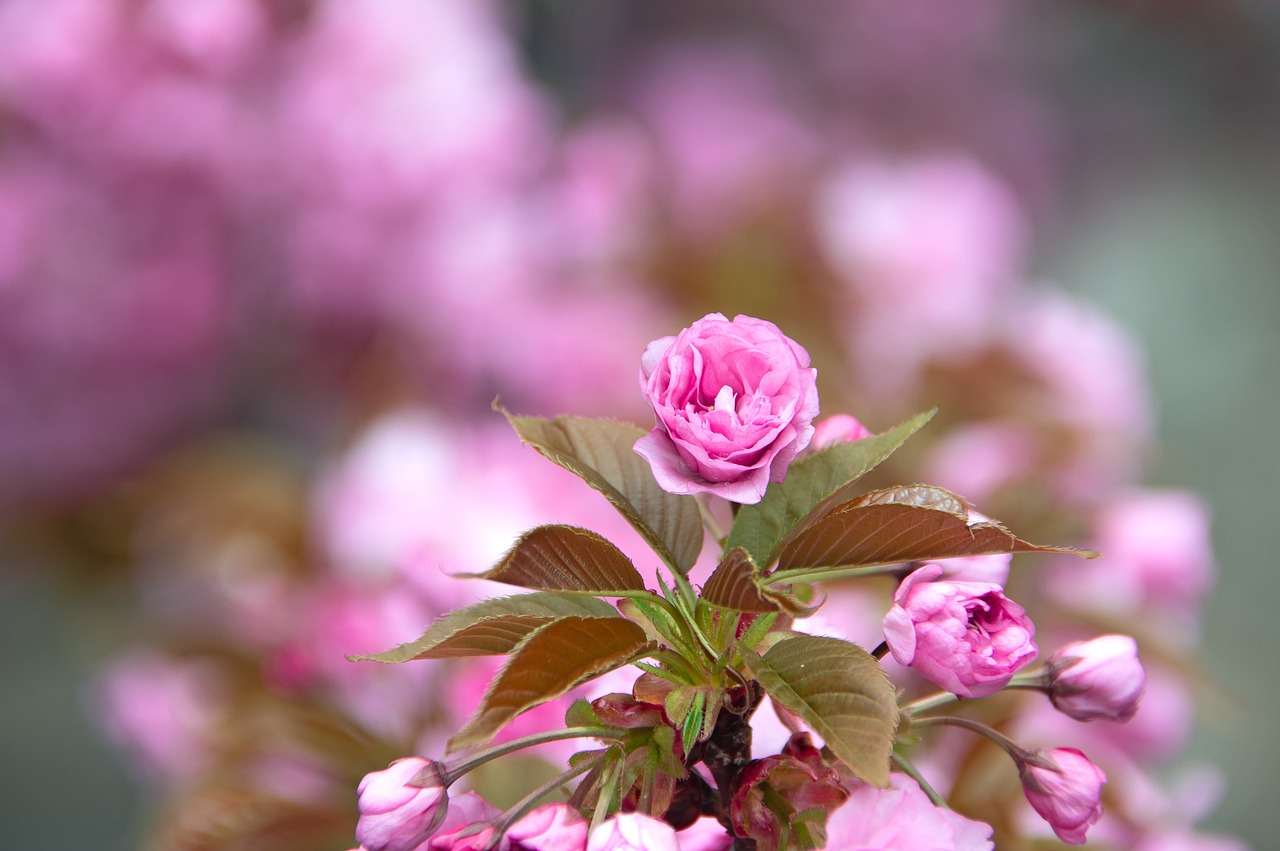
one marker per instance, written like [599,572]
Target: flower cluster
[674,766]
[265,266]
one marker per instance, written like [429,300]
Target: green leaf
[811,487]
[600,453]
[452,634]
[566,558]
[733,585]
[549,662]
[840,691]
[897,525]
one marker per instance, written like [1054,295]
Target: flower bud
[401,806]
[837,428]
[1065,788]
[1100,678]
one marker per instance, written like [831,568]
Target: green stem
[476,760]
[1012,748]
[942,698]
[710,522]
[914,773]
[813,574]
[527,803]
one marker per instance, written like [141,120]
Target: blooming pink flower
[1067,793]
[401,806]
[1099,678]
[966,637]
[902,818]
[633,832]
[554,827]
[838,428]
[734,403]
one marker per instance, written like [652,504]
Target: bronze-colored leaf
[492,627]
[566,558]
[600,453]
[859,534]
[840,691]
[549,662]
[812,486]
[733,585]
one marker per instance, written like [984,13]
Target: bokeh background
[252,251]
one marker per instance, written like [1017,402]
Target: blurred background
[265,264]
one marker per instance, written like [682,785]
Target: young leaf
[600,453]
[548,663]
[733,585]
[812,485]
[566,558]
[542,606]
[900,525]
[840,691]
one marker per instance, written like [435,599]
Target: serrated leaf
[875,532]
[566,558]
[549,662]
[733,585]
[840,691]
[449,633]
[811,487]
[600,453]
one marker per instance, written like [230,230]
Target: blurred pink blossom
[902,818]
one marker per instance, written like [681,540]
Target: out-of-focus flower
[734,403]
[837,428]
[633,832]
[553,827]
[1099,678]
[902,818]
[966,637]
[705,834]
[162,709]
[401,806]
[1189,841]
[938,240]
[1068,795]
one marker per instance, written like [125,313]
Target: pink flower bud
[633,832]
[401,806]
[837,428]
[1065,788]
[966,637]
[554,827]
[1100,678]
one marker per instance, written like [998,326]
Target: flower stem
[710,522]
[527,803]
[914,773]
[1019,753]
[933,701]
[810,574]
[476,760]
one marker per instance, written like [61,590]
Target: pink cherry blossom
[633,832]
[1067,792]
[553,827]
[734,403]
[1099,678]
[966,637]
[901,818]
